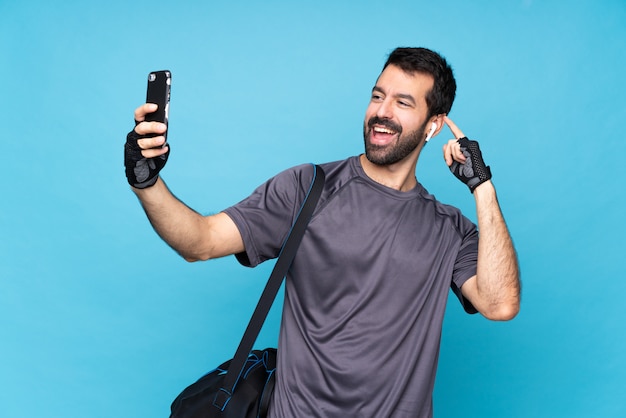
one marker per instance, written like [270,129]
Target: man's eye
[403,104]
[376,97]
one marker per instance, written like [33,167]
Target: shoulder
[289,180]
[337,173]
[448,213]
[340,173]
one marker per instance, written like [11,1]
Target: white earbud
[433,128]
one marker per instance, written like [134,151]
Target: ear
[437,123]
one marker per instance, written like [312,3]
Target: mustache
[375,120]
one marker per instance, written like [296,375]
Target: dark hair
[421,60]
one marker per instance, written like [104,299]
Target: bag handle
[286,256]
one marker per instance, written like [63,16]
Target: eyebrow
[399,95]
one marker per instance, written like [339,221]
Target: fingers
[154,152]
[458,134]
[153,145]
[153,142]
[151,128]
[154,130]
[143,110]
[148,128]
[452,152]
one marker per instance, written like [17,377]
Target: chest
[368,245]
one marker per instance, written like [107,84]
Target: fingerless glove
[141,172]
[474,171]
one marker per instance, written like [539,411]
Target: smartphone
[158,92]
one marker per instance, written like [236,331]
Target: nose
[384,110]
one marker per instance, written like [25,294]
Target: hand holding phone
[141,171]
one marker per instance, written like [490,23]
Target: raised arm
[193,236]
[495,290]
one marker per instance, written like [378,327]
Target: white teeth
[383,130]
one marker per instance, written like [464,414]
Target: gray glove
[141,172]
[474,171]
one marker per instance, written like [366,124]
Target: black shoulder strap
[285,258]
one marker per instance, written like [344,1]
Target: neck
[399,176]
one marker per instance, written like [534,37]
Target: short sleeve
[465,263]
[265,217]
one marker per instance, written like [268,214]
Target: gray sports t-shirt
[366,293]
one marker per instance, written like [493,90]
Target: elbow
[194,253]
[194,257]
[503,312]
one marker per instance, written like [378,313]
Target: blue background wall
[100,318]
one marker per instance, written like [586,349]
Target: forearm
[497,277]
[178,225]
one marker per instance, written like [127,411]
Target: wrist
[148,190]
[484,190]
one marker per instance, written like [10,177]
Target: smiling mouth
[383,126]
[383,130]
[381,136]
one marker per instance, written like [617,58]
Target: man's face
[395,119]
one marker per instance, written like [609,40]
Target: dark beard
[392,153]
